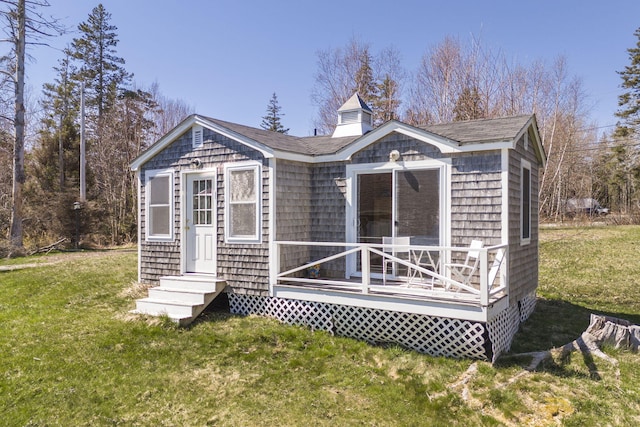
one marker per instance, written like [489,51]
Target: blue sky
[226,57]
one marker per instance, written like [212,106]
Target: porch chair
[393,246]
[463,273]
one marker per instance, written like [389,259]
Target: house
[362,233]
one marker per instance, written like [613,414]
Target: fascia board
[443,144]
[264,150]
[186,125]
[539,148]
[163,142]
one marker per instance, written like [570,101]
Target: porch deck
[394,288]
[422,288]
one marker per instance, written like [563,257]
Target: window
[525,203]
[159,216]
[242,203]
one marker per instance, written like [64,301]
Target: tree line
[454,80]
[121,119]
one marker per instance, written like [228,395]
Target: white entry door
[200,224]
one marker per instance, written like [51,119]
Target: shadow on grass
[553,324]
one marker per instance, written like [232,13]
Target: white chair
[393,246]
[463,273]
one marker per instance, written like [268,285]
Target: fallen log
[49,248]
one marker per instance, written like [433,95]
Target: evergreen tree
[629,101]
[387,102]
[100,68]
[272,121]
[468,105]
[365,83]
[59,124]
[625,166]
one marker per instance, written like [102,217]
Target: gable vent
[196,137]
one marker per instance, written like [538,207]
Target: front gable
[191,122]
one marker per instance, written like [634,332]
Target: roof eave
[532,123]
[185,125]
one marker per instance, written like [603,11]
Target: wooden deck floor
[398,288]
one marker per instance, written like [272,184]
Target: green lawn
[71,355]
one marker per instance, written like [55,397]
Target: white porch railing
[427,275]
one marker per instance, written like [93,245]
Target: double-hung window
[242,202]
[525,203]
[159,209]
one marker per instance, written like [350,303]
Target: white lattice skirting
[437,336]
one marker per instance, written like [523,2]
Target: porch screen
[418,206]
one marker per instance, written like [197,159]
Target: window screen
[159,206]
[243,203]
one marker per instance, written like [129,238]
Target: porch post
[274,265]
[365,257]
[484,278]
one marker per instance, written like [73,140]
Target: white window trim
[161,237]
[525,165]
[352,172]
[257,168]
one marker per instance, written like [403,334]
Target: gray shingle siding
[329,214]
[244,266]
[476,186]
[523,265]
[409,148]
[476,198]
[293,211]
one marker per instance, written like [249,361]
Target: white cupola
[354,118]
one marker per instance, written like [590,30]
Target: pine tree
[272,121]
[468,105]
[100,68]
[364,80]
[387,102]
[629,101]
[59,122]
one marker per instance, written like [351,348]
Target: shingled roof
[463,132]
[455,135]
[478,131]
[310,145]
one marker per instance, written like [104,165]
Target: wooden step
[181,298]
[178,294]
[192,282]
[159,307]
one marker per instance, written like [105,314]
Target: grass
[71,355]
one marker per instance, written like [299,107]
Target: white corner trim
[139,181]
[505,196]
[274,258]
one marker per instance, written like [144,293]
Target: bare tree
[343,71]
[169,113]
[18,24]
